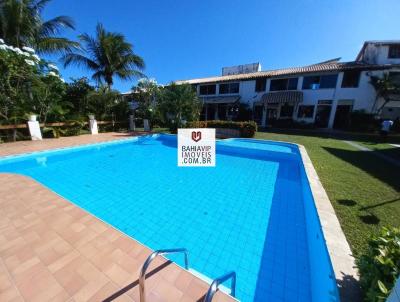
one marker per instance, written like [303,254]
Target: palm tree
[21,25]
[386,89]
[107,54]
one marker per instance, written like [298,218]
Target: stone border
[343,262]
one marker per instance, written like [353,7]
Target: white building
[323,93]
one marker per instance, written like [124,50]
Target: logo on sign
[196,147]
[196,136]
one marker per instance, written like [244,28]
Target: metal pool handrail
[217,282]
[149,259]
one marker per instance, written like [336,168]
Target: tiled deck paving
[32,146]
[51,250]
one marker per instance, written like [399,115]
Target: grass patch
[363,188]
[383,148]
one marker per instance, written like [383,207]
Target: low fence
[21,131]
[58,124]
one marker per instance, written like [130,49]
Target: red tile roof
[321,67]
[281,97]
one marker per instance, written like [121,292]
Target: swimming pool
[253,213]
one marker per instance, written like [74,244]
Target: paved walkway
[382,156]
[51,250]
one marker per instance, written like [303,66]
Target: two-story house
[324,93]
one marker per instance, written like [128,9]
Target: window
[317,82]
[279,84]
[207,89]
[394,51]
[351,79]
[229,88]
[292,85]
[324,102]
[311,82]
[395,77]
[261,84]
[305,111]
[328,81]
[284,84]
[287,110]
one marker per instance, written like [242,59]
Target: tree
[77,93]
[178,104]
[386,89]
[21,25]
[47,95]
[102,101]
[107,54]
[28,84]
[146,92]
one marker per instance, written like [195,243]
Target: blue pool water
[253,213]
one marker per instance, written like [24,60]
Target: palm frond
[98,77]
[37,5]
[136,61]
[107,54]
[79,60]
[21,24]
[129,74]
[56,25]
[55,45]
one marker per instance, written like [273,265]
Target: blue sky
[190,39]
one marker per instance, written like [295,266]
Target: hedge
[361,121]
[246,129]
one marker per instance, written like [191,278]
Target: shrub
[361,121]
[380,265]
[291,124]
[247,129]
[244,113]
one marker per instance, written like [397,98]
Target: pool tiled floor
[51,250]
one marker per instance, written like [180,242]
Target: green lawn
[383,148]
[363,188]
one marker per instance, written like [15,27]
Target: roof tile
[323,67]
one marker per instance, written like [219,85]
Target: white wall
[378,54]
[363,96]
[248,95]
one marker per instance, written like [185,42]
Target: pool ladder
[212,289]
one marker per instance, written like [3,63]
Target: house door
[272,115]
[257,114]
[342,116]
[210,112]
[322,116]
